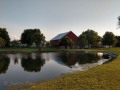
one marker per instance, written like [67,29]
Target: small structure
[55,41]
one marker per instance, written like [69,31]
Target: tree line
[88,38]
[28,38]
[35,37]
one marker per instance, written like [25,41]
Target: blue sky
[56,16]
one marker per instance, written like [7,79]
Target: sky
[57,16]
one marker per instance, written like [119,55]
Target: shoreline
[33,50]
[15,87]
[112,57]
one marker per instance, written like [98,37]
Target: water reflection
[106,56]
[32,63]
[68,58]
[72,58]
[15,61]
[47,65]
[84,58]
[4,63]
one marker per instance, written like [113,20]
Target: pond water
[18,68]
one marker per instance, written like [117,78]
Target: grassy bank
[18,49]
[29,50]
[114,50]
[104,77]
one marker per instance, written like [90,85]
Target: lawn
[104,77]
[29,50]
[18,49]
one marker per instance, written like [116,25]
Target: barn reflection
[73,58]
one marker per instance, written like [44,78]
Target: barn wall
[54,42]
[72,36]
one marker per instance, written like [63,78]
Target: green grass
[103,77]
[19,49]
[30,50]
[112,50]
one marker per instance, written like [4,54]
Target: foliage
[66,42]
[15,43]
[82,41]
[92,37]
[30,36]
[4,35]
[2,42]
[48,44]
[109,39]
[39,39]
[118,41]
[119,21]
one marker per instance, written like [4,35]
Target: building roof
[59,36]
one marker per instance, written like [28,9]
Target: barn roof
[59,36]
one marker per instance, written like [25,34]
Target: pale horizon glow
[58,16]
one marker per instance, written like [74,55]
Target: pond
[21,68]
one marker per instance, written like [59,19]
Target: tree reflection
[15,61]
[32,65]
[71,58]
[68,58]
[84,58]
[4,63]
[106,56]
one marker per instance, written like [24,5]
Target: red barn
[55,41]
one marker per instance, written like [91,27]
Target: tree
[48,44]
[119,21]
[109,39]
[2,42]
[92,37]
[82,41]
[39,39]
[118,41]
[66,42]
[15,43]
[4,35]
[30,36]
[27,37]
